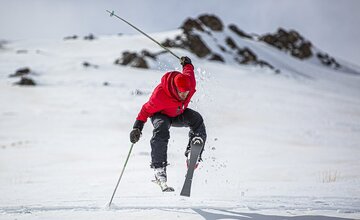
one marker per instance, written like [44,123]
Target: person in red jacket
[168,106]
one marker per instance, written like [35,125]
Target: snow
[279,145]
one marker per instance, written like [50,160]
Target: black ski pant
[161,135]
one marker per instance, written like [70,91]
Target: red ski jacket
[165,99]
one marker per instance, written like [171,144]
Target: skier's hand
[135,135]
[184,61]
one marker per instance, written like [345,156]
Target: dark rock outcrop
[247,56]
[239,32]
[132,59]
[87,37]
[140,62]
[195,44]
[211,21]
[26,81]
[21,72]
[328,61]
[127,57]
[217,57]
[244,55]
[90,37]
[231,43]
[73,37]
[290,41]
[191,40]
[145,53]
[201,33]
[191,24]
[87,65]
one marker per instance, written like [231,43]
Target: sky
[331,25]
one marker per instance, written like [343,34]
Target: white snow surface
[279,145]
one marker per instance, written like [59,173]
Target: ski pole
[113,14]
[122,172]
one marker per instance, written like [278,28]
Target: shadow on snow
[225,214]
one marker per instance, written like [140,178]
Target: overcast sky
[331,25]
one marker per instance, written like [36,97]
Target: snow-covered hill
[207,37]
[279,145]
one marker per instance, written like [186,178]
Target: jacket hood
[167,82]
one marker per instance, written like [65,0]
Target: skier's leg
[194,120]
[159,140]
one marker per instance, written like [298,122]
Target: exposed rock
[303,52]
[328,61]
[171,43]
[25,81]
[217,57]
[146,53]
[89,37]
[127,57]
[74,37]
[139,62]
[21,72]
[290,41]
[211,21]
[191,24]
[244,55]
[230,42]
[266,64]
[239,32]
[132,59]
[247,55]
[87,64]
[222,48]
[195,44]
[192,42]
[200,32]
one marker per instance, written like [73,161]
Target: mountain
[208,38]
[279,145]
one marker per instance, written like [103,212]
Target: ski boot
[161,179]
[195,140]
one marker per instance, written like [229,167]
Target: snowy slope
[278,144]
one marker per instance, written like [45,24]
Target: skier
[168,106]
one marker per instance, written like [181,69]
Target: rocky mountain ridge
[208,38]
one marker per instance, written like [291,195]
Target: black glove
[135,134]
[184,61]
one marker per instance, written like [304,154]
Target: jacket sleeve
[188,69]
[150,108]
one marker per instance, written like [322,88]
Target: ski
[196,146]
[164,187]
